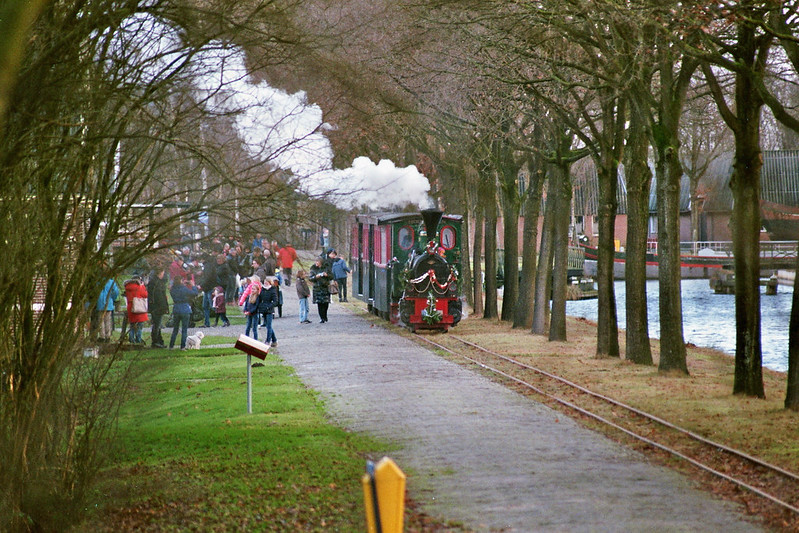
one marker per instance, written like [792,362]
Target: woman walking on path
[321,288]
[182,295]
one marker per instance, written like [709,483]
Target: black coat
[233,266]
[267,300]
[321,284]
[208,280]
[156,295]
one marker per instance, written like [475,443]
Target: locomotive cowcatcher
[405,267]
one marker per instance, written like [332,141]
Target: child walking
[220,308]
[303,292]
[249,299]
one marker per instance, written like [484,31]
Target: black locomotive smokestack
[431,219]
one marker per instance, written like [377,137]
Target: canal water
[709,318]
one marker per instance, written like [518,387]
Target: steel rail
[666,423]
[612,424]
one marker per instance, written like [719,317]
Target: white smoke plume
[372,185]
[288,131]
[280,128]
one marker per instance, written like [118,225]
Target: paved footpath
[478,453]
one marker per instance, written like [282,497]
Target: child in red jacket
[135,289]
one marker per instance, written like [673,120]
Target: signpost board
[255,348]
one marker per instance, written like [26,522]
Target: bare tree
[102,163]
[639,180]
[740,45]
[782,24]
[523,317]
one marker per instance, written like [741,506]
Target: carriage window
[448,237]
[365,247]
[405,237]
[385,244]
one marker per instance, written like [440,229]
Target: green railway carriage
[383,245]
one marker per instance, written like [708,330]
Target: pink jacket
[247,292]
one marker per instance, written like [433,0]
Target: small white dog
[193,341]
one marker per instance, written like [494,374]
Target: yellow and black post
[384,496]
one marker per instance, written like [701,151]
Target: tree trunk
[639,180]
[491,308]
[510,223]
[696,234]
[543,278]
[465,266]
[560,245]
[607,321]
[523,315]
[792,394]
[477,260]
[751,52]
[745,186]
[672,343]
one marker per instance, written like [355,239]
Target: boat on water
[580,286]
[780,220]
[703,258]
[700,259]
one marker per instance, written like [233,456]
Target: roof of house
[586,191]
[779,180]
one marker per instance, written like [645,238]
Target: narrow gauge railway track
[765,489]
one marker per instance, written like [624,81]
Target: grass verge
[191,458]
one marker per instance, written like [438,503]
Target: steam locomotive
[405,267]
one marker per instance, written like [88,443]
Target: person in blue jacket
[183,293]
[340,271]
[105,309]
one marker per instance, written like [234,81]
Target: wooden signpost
[255,348]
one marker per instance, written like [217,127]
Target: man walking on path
[157,304]
[208,281]
[105,309]
[340,271]
[287,256]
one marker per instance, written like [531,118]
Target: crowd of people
[203,281]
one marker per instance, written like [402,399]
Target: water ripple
[709,318]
